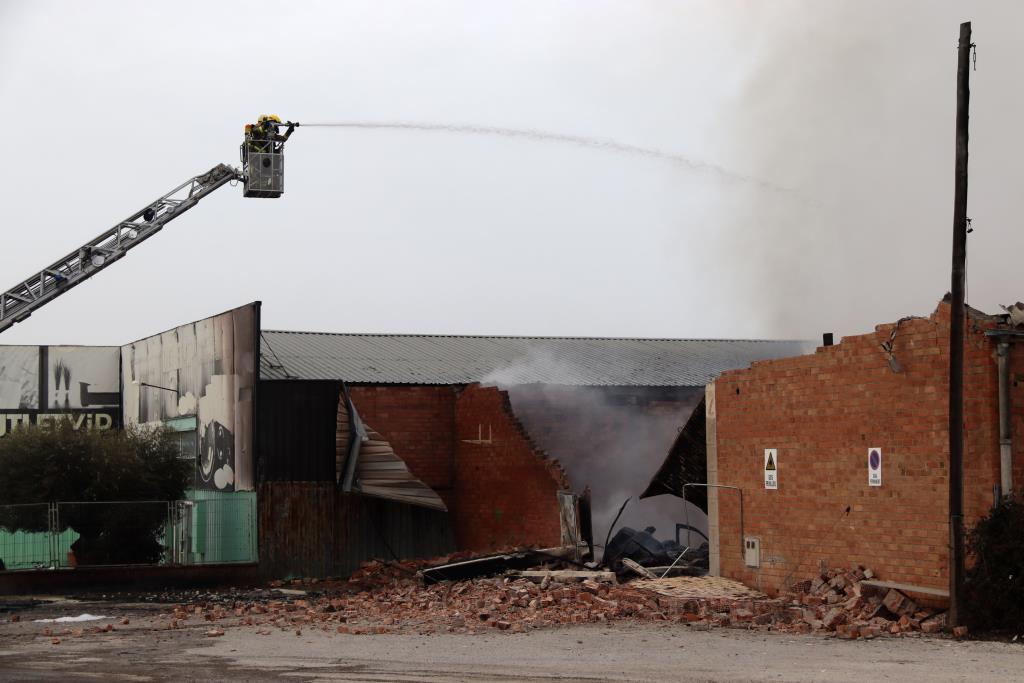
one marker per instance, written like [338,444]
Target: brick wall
[505,487]
[419,423]
[822,412]
[498,494]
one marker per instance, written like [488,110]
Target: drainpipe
[1005,433]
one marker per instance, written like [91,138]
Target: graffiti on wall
[42,385]
[206,369]
[80,377]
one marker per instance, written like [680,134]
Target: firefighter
[270,126]
[267,125]
[252,142]
[262,134]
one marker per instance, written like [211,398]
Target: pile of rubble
[391,598]
[400,603]
[841,602]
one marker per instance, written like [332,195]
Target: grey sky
[850,104]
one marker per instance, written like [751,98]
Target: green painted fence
[208,527]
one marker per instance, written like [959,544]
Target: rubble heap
[389,597]
[841,602]
[401,604]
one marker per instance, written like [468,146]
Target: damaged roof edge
[366,463]
[453,360]
[686,463]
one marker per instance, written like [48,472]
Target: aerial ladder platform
[261,176]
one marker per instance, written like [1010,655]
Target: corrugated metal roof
[379,471]
[439,359]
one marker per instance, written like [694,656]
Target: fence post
[53,520]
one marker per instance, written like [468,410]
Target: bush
[994,583]
[60,464]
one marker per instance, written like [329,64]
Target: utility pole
[958,315]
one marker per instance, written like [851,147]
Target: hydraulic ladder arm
[20,301]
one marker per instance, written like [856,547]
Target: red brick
[506,487]
[822,412]
[499,493]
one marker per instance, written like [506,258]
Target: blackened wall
[296,429]
[212,364]
[313,529]
[307,526]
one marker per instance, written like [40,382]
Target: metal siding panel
[297,430]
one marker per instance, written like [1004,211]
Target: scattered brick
[834,618]
[898,603]
[847,631]
[388,597]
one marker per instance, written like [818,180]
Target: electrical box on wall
[752,551]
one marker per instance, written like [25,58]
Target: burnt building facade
[314,452]
[498,426]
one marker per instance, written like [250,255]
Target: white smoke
[612,439]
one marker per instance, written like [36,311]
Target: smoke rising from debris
[613,447]
[613,439]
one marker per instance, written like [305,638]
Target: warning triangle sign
[770,465]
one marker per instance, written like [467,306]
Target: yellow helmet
[268,117]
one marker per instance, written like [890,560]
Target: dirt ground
[139,651]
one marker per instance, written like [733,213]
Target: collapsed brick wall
[505,487]
[498,494]
[612,439]
[419,423]
[823,412]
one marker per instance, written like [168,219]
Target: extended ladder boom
[20,301]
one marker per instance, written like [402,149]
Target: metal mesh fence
[25,538]
[205,530]
[108,533]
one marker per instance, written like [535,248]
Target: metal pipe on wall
[1005,432]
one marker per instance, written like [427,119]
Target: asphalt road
[621,652]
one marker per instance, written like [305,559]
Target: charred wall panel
[686,463]
[207,370]
[312,529]
[296,430]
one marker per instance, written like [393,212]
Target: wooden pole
[956,334]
